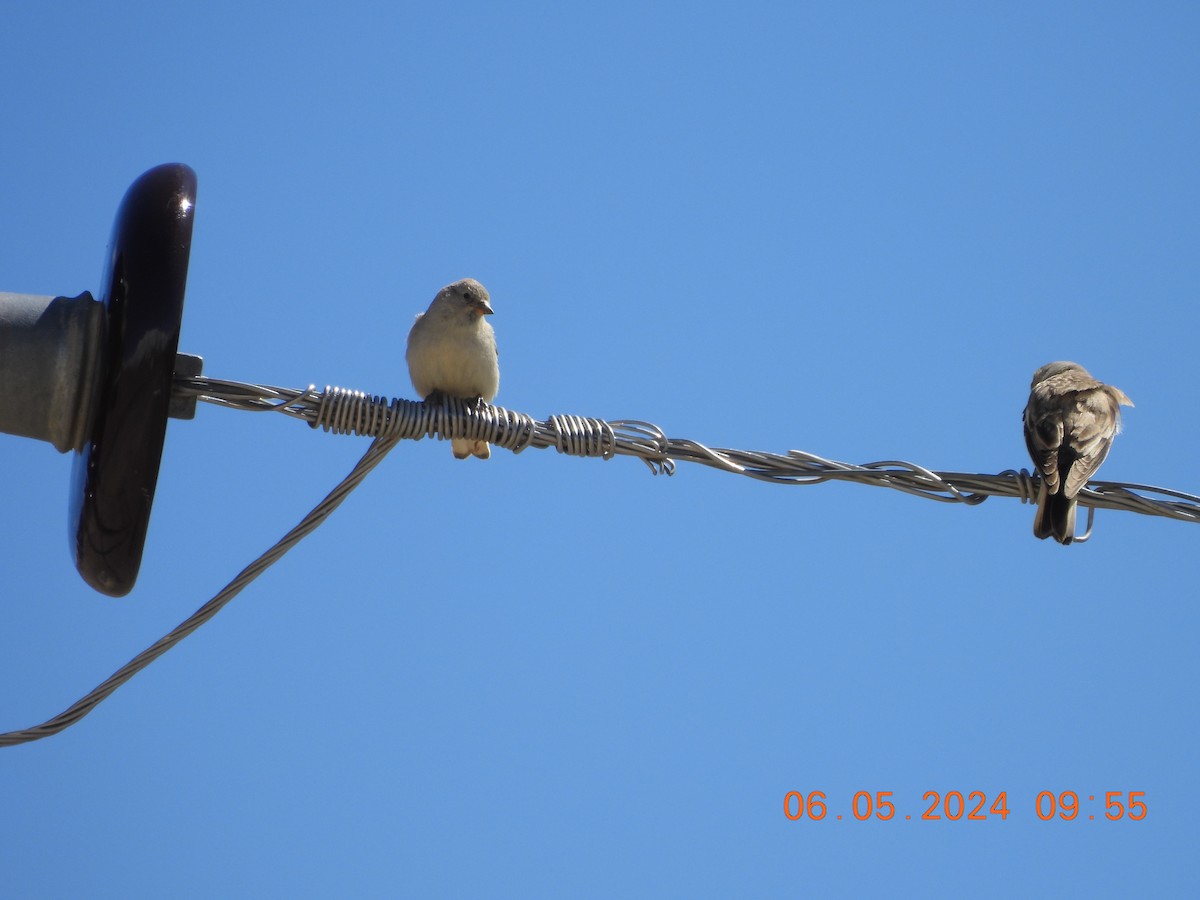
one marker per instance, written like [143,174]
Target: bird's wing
[1043,438]
[1093,426]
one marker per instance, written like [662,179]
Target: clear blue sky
[854,229]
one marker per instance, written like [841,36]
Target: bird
[452,352]
[1070,422]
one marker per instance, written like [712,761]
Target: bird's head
[466,297]
[1049,370]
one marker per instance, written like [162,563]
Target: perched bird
[452,351]
[1070,422]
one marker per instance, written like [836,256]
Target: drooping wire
[84,705]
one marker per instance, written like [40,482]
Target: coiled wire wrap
[344,411]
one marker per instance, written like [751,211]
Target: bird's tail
[1055,518]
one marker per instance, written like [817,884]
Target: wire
[344,411]
[353,412]
[80,708]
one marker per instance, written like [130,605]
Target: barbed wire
[355,412]
[390,421]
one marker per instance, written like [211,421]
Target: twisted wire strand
[379,448]
[353,412]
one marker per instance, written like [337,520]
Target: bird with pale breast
[1070,422]
[452,351]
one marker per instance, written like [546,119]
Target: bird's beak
[485,308]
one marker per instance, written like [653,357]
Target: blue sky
[853,229]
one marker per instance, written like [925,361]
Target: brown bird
[452,351]
[1070,422]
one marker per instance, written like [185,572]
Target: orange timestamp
[972,806]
